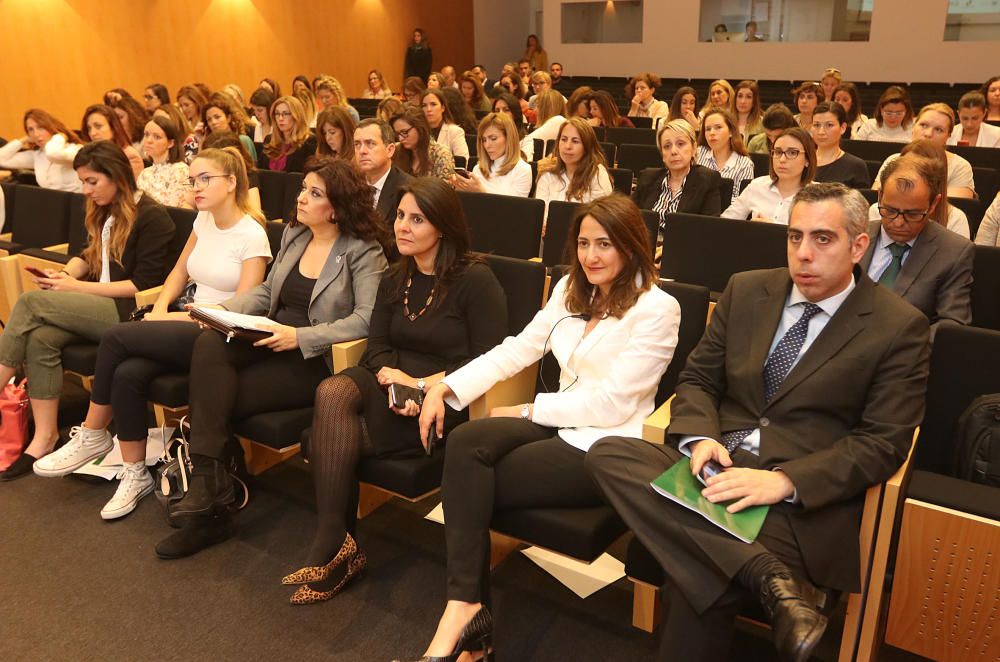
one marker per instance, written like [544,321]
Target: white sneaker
[135,483]
[84,446]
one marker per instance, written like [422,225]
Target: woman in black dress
[438,307]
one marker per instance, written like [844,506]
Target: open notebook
[232,325]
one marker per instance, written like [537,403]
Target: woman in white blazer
[613,332]
[48,148]
[444,131]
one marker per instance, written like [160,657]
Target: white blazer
[989,136]
[453,137]
[608,379]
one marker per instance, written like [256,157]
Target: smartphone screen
[710,469]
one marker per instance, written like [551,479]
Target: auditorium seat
[973,210]
[40,218]
[986,288]
[870,150]
[985,180]
[621,179]
[726,192]
[503,224]
[639,157]
[705,250]
[558,225]
[9,195]
[610,153]
[272,193]
[626,136]
[761,164]
[642,122]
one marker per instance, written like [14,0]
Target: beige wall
[62,54]
[906,45]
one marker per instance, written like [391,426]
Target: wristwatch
[526,412]
[422,385]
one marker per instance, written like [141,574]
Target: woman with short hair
[47,148]
[806,96]
[640,89]
[156,95]
[972,129]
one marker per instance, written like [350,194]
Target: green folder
[679,485]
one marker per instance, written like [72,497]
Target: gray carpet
[77,588]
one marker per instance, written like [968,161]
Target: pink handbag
[13,422]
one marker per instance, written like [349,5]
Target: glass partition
[785,20]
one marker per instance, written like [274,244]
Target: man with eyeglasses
[917,258]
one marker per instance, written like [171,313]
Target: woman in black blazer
[682,186]
[291,142]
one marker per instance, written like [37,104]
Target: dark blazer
[296,161]
[936,276]
[701,195]
[145,258]
[387,199]
[841,421]
[340,307]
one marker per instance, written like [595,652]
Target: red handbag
[13,422]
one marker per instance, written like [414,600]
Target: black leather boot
[210,492]
[197,533]
[796,622]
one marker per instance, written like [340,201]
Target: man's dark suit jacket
[842,420]
[701,194]
[388,199]
[937,275]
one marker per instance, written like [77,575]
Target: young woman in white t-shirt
[500,170]
[576,170]
[226,254]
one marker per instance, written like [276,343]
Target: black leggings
[496,464]
[233,380]
[132,355]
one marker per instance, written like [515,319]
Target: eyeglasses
[908,215]
[402,133]
[791,153]
[202,180]
[282,113]
[824,126]
[893,113]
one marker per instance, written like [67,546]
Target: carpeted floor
[73,587]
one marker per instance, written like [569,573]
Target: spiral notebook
[680,486]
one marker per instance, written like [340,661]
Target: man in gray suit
[806,387]
[917,258]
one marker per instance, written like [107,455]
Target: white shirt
[789,316]
[381,183]
[737,167]
[517,182]
[608,379]
[870,130]
[959,172]
[53,166]
[216,262]
[882,256]
[105,251]
[856,126]
[547,131]
[552,186]
[989,136]
[958,222]
[453,137]
[761,198]
[989,230]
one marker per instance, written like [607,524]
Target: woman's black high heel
[476,637]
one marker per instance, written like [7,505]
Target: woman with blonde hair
[48,148]
[226,254]
[576,170]
[829,81]
[388,107]
[308,101]
[330,93]
[291,142]
[128,236]
[551,111]
[335,134]
[377,88]
[720,95]
[500,169]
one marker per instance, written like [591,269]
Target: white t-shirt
[217,260]
[517,182]
[870,130]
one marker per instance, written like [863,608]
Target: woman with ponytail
[128,235]
[226,253]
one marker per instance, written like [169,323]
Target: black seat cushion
[955,493]
[410,476]
[80,358]
[42,254]
[169,390]
[277,429]
[583,533]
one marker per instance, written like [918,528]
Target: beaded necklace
[406,301]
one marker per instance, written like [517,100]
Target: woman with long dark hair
[47,148]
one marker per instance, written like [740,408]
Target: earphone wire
[541,363]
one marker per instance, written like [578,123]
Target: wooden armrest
[534,259]
[147,297]
[347,354]
[7,236]
[654,428]
[58,248]
[27,280]
[517,390]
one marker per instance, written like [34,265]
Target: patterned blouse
[738,168]
[167,183]
[442,162]
[669,200]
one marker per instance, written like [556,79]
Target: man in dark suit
[806,387]
[917,258]
[374,147]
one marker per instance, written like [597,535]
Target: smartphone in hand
[36,272]
[399,394]
[711,468]
[463,172]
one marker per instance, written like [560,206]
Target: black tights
[338,442]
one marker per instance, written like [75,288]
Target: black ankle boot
[796,623]
[210,492]
[197,533]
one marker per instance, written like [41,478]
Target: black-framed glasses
[203,180]
[908,215]
[791,153]
[282,113]
[402,133]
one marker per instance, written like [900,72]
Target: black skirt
[390,433]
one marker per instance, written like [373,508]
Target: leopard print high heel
[305,595]
[321,572]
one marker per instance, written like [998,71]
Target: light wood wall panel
[62,55]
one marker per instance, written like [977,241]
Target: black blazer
[296,161]
[702,192]
[144,260]
[388,198]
